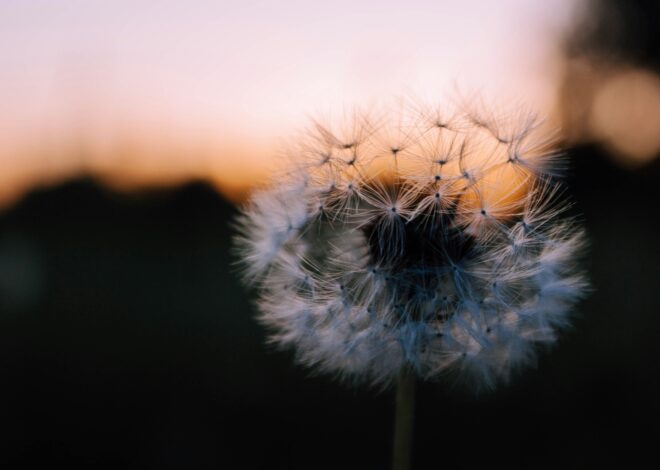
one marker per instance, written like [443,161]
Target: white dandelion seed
[433,244]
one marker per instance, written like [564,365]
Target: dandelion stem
[404,418]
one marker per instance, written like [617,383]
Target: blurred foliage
[128,342]
[618,30]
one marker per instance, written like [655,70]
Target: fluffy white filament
[429,240]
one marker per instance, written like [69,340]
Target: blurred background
[129,132]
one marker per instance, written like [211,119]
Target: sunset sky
[142,92]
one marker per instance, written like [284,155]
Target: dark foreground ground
[126,341]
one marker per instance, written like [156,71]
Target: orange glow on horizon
[135,163]
[138,94]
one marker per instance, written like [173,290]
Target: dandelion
[426,244]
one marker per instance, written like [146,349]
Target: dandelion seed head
[430,239]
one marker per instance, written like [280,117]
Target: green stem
[403,422]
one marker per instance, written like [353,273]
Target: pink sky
[139,91]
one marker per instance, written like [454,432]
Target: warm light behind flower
[626,115]
[615,105]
